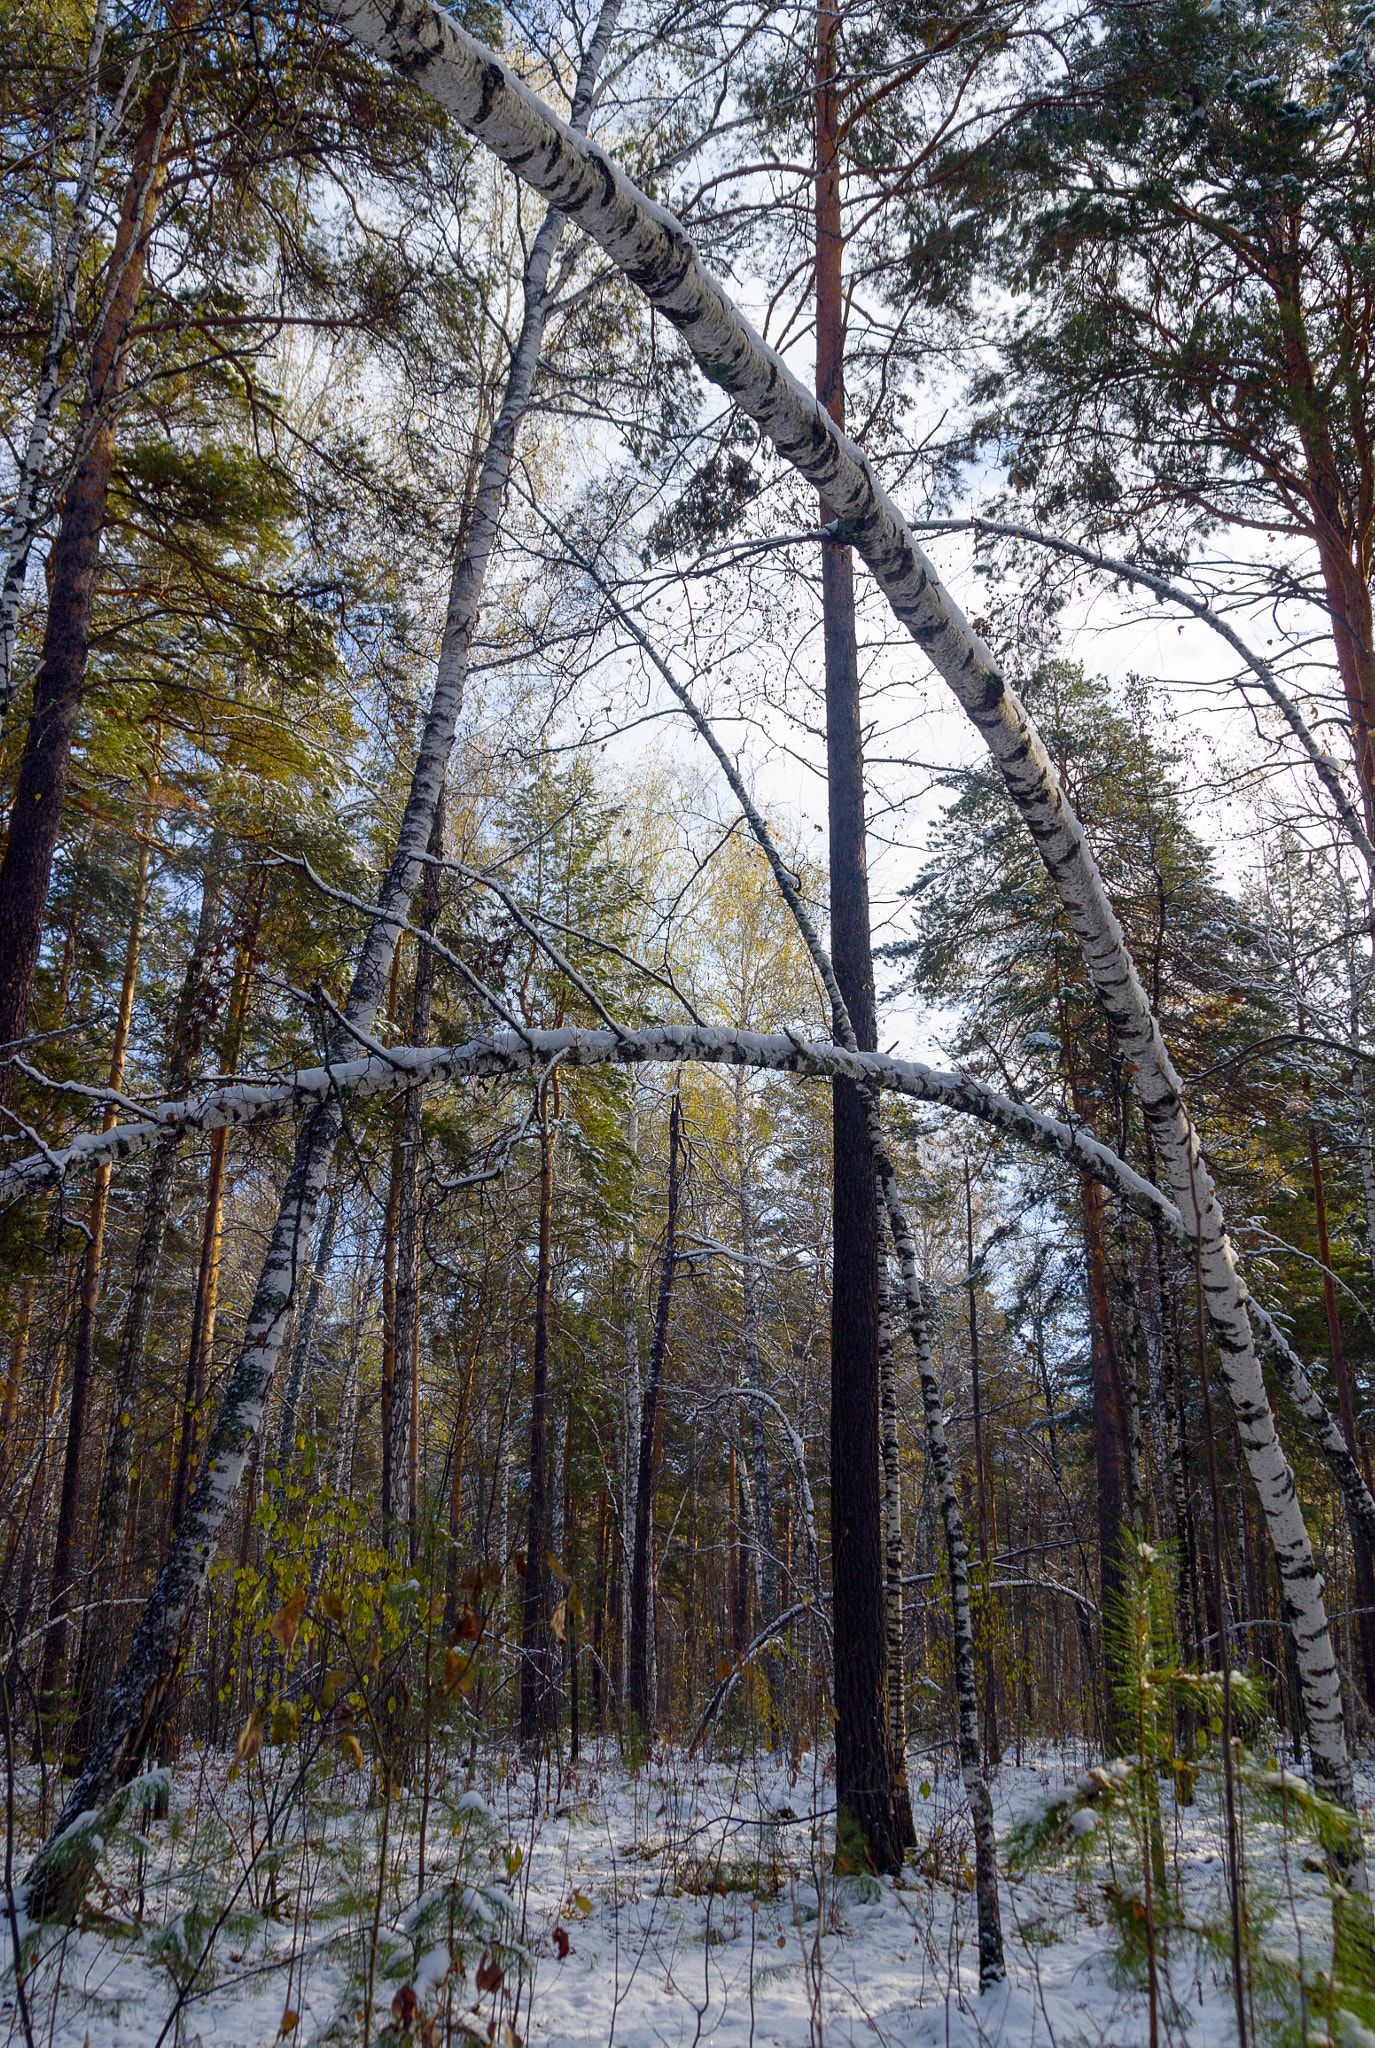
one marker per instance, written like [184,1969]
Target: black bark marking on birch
[492,83]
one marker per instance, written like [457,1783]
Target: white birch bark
[656,254]
[512,1052]
[490,1054]
[1170,592]
[303,1350]
[54,1880]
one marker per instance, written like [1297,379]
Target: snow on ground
[684,1903]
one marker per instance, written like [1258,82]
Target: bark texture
[36,816]
[538,1696]
[892,1537]
[655,252]
[642,1703]
[68,1520]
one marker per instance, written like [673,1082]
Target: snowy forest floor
[686,1902]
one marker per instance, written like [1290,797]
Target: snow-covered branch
[655,252]
[490,1053]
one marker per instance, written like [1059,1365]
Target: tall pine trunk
[36,816]
[68,1521]
[866,1789]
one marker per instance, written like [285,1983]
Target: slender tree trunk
[599,1601]
[194,1007]
[630,1405]
[1363,1568]
[458,1457]
[865,1772]
[341,1457]
[641,1592]
[1109,1434]
[991,1965]
[406,1443]
[567,1547]
[19,1351]
[200,1350]
[538,1696]
[892,1537]
[737,1593]
[302,1351]
[1365,1150]
[759,1443]
[390,1225]
[50,1684]
[1189,1597]
[36,817]
[993,1748]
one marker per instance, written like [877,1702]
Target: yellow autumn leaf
[353,1749]
[287,1620]
[251,1737]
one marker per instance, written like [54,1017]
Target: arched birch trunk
[656,254]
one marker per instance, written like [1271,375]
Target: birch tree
[659,258]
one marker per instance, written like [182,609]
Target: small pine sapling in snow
[1108,1823]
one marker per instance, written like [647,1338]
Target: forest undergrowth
[297,1893]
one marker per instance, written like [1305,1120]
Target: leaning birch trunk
[656,254]
[302,1350]
[58,1876]
[406,1311]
